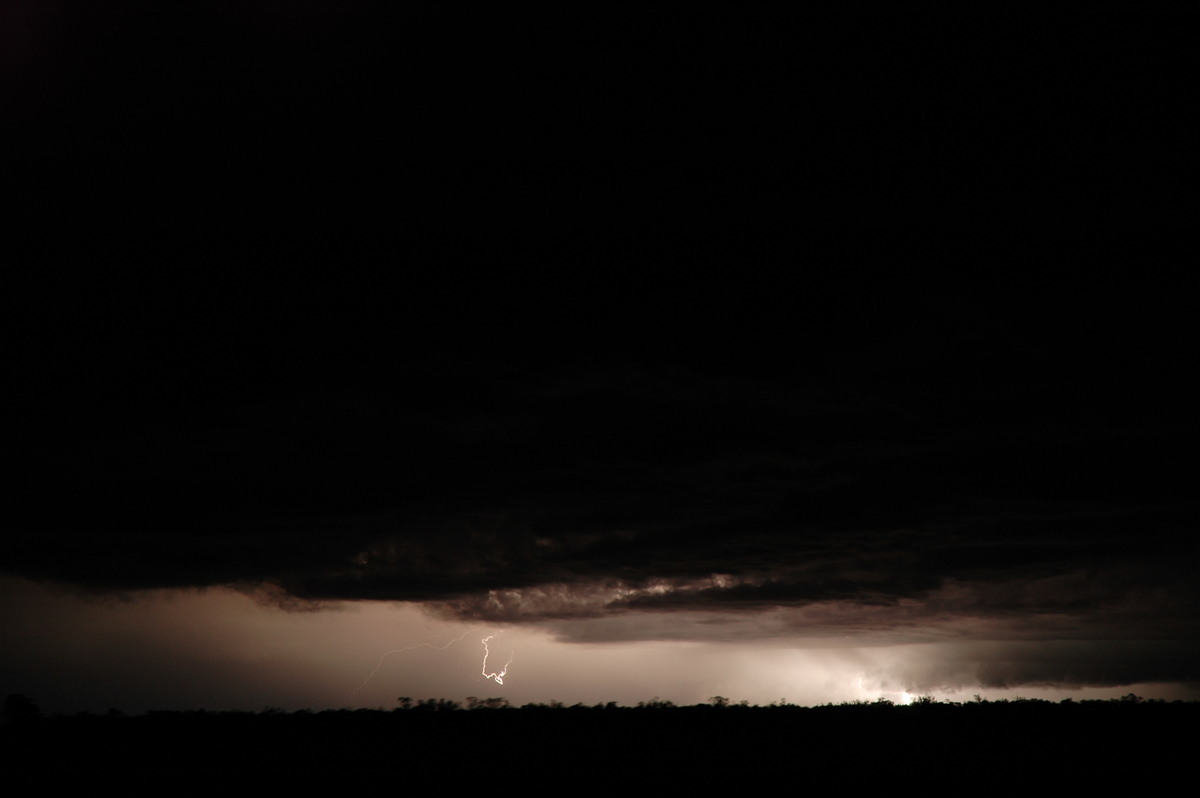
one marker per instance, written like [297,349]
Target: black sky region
[535,316]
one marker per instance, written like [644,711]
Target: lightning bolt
[498,677]
[379,664]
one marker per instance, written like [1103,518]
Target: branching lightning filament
[379,664]
[498,677]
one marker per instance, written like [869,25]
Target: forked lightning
[498,677]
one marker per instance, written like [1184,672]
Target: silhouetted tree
[437,705]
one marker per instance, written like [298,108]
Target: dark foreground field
[973,748]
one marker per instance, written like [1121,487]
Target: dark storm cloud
[1067,664]
[457,480]
[591,449]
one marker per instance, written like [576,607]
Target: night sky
[683,353]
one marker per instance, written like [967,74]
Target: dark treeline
[989,747]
